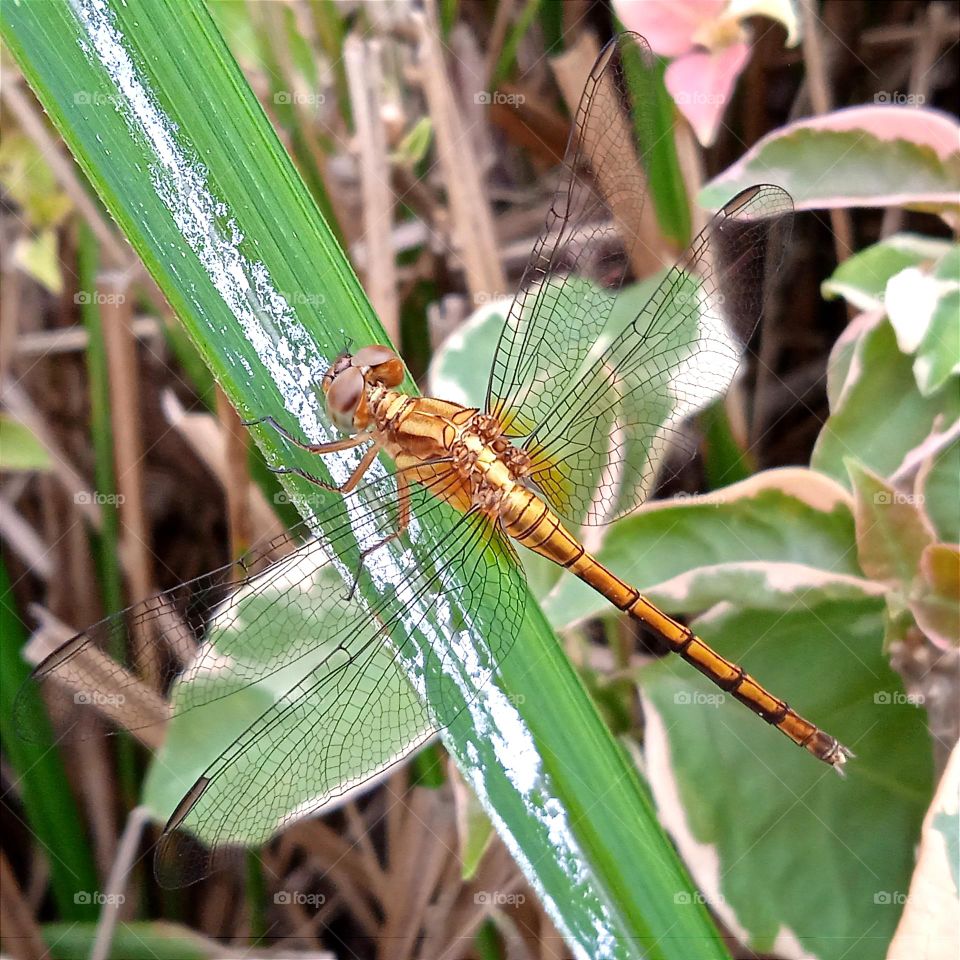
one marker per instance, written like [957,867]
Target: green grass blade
[654,128]
[111,577]
[51,813]
[107,540]
[518,30]
[166,129]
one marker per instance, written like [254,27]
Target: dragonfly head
[345,384]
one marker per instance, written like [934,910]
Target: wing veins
[472,529]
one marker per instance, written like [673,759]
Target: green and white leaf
[924,307]
[862,278]
[757,832]
[767,541]
[877,413]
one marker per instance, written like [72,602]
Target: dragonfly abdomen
[532,523]
[733,679]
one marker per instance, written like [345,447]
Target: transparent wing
[234,627]
[589,239]
[596,453]
[356,713]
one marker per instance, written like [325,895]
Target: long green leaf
[164,125]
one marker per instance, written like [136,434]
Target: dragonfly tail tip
[839,757]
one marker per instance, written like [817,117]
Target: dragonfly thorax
[489,464]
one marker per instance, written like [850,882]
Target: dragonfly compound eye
[383,364]
[344,397]
[335,369]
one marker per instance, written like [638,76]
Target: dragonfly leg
[317,448]
[362,467]
[298,472]
[344,488]
[403,520]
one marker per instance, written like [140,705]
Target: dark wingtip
[188,802]
[181,860]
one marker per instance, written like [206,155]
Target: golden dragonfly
[573,432]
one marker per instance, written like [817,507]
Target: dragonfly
[573,433]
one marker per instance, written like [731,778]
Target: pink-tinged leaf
[845,367]
[892,531]
[928,925]
[701,85]
[937,608]
[869,156]
[771,540]
[769,585]
[669,25]
[920,126]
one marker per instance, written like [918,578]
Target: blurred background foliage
[814,538]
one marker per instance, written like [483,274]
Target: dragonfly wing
[215,636]
[596,453]
[585,247]
[357,711]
